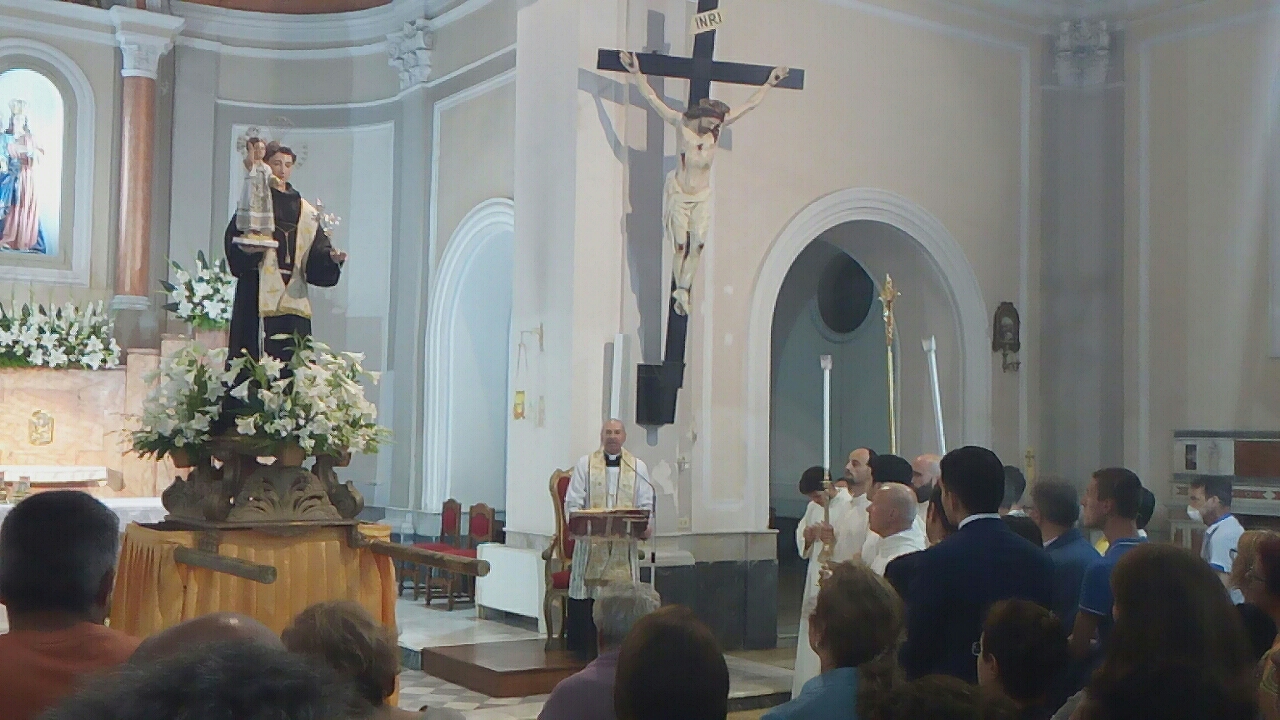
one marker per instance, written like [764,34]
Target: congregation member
[902,570]
[1055,508]
[240,680]
[588,694]
[941,697]
[1111,505]
[1022,653]
[1262,588]
[888,470]
[856,618]
[1015,484]
[1242,564]
[1210,503]
[892,518]
[343,637]
[924,477]
[57,569]
[214,627]
[670,667]
[1177,651]
[957,579]
[609,478]
[1025,528]
[1260,628]
[845,534]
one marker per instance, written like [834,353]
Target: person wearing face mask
[1211,504]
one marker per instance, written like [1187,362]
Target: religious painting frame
[47,177]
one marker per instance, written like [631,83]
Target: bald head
[215,627]
[612,436]
[925,471]
[893,509]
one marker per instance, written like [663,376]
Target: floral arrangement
[318,404]
[184,403]
[203,299]
[67,337]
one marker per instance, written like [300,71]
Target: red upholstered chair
[481,527]
[450,529]
[558,559]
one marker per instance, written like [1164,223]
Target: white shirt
[873,540]
[978,516]
[896,545]
[1220,541]
[575,498]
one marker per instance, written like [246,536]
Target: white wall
[477,393]
[1199,226]
[859,387]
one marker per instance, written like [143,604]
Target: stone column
[1082,224]
[144,37]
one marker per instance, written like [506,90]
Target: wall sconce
[1005,336]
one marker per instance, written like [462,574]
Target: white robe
[849,520]
[896,545]
[873,540]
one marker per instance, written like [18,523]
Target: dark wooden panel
[515,668]
[1257,458]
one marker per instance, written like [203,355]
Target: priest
[609,478]
[272,280]
[843,529]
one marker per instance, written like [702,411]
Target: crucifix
[686,195]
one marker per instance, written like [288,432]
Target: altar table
[153,592]
[129,510]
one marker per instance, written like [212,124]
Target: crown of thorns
[708,108]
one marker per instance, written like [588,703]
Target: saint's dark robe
[321,271]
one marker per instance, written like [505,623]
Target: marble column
[144,38]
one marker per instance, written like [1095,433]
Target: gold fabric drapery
[153,592]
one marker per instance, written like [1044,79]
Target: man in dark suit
[959,578]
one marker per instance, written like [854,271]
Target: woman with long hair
[1178,649]
[1261,585]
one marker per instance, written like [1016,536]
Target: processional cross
[686,212]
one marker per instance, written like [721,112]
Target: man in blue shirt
[1111,505]
[1055,508]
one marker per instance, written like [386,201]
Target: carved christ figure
[686,214]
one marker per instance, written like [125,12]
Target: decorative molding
[949,259]
[409,52]
[272,31]
[482,224]
[55,18]
[283,55]
[83,171]
[144,38]
[130,302]
[1082,53]
[437,110]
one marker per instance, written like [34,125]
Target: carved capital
[1083,53]
[144,37]
[141,55]
[409,52]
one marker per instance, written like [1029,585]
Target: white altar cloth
[139,510]
[51,474]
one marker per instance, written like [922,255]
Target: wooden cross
[657,385]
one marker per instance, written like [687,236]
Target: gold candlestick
[888,295]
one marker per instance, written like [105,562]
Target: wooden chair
[481,528]
[558,558]
[450,528]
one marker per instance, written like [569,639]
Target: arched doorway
[884,233]
[469,323]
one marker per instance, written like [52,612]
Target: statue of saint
[272,278]
[254,217]
[686,215]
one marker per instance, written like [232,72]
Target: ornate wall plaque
[40,428]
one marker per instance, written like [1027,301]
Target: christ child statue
[255,218]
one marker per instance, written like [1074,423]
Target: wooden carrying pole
[430,558]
